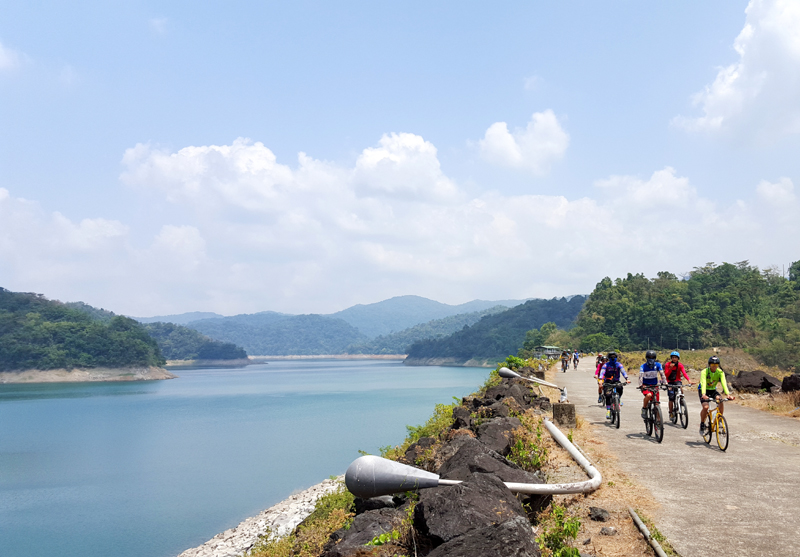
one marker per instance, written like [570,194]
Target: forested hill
[37,333]
[398,343]
[715,305]
[182,343]
[496,336]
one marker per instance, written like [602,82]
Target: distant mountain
[179,319]
[398,343]
[496,336]
[277,334]
[402,312]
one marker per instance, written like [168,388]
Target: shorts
[646,389]
[710,394]
[672,391]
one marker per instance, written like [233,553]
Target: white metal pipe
[646,533]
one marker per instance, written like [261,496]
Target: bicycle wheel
[707,433]
[648,421]
[683,413]
[722,432]
[658,423]
[673,416]
[615,411]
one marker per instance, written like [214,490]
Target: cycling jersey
[610,372]
[649,375]
[673,372]
[709,380]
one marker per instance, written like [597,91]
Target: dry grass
[782,404]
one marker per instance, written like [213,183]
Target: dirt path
[757,479]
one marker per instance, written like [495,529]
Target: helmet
[650,355]
[612,355]
[713,360]
[675,353]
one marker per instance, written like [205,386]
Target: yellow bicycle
[716,423]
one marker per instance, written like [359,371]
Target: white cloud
[10,59]
[535,148]
[759,93]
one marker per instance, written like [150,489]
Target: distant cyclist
[610,373]
[673,370]
[651,374]
[575,359]
[564,360]
[601,360]
[707,389]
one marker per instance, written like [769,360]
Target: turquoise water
[152,468]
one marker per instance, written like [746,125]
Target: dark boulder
[497,410]
[754,381]
[461,417]
[791,383]
[445,513]
[496,433]
[373,503]
[365,528]
[521,394]
[473,456]
[417,450]
[512,538]
[542,403]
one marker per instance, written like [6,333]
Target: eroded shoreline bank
[86,375]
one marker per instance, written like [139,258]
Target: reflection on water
[87,471]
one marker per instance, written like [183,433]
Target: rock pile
[280,520]
[478,517]
[753,381]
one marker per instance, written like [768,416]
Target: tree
[794,272]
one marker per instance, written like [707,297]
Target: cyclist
[601,360]
[707,389]
[610,373]
[564,360]
[575,359]
[673,370]
[651,374]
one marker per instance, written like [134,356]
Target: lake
[153,468]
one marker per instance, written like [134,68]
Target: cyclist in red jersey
[673,370]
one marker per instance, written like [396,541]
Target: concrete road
[745,501]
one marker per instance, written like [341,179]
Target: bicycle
[615,405]
[679,408]
[716,424]
[574,364]
[564,365]
[601,399]
[654,421]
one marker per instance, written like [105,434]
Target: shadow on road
[710,446]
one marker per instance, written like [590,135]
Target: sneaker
[600,399]
[608,414]
[644,413]
[621,403]
[702,429]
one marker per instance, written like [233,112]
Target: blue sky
[150,154]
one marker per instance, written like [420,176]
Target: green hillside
[496,336]
[734,305]
[276,334]
[182,343]
[398,343]
[401,312]
[37,333]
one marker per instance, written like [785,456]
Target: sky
[235,157]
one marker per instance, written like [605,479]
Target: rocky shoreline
[85,375]
[448,362]
[279,520]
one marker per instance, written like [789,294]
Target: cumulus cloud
[317,236]
[534,148]
[760,92]
[10,59]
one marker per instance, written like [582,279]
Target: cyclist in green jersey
[707,389]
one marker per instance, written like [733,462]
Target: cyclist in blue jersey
[651,375]
[610,373]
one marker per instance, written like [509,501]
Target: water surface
[152,468]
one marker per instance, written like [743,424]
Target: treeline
[735,305]
[37,333]
[399,343]
[182,343]
[496,336]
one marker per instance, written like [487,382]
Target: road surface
[745,501]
